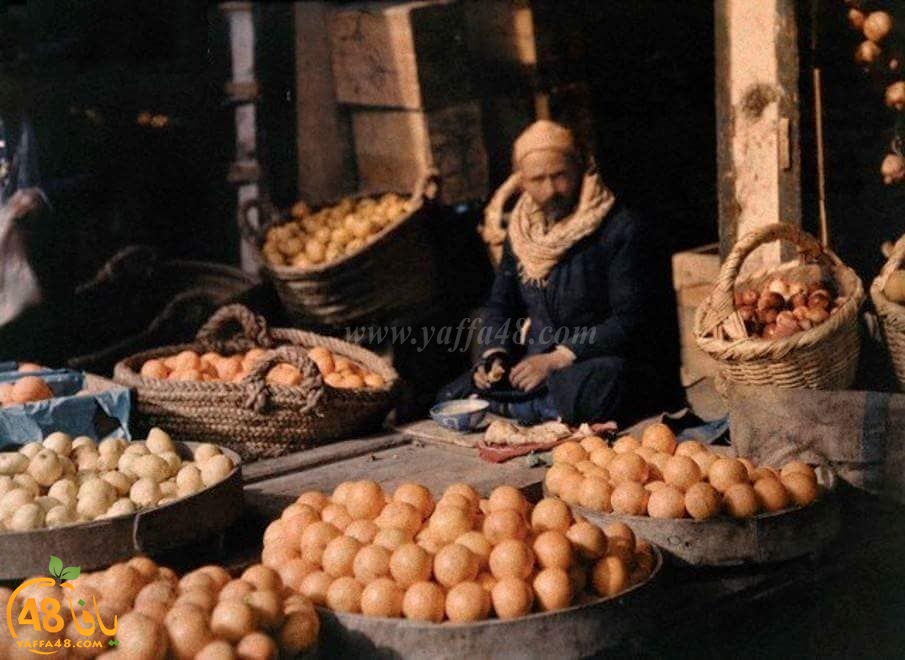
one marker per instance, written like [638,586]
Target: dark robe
[608,301]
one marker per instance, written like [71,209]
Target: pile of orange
[205,615]
[461,559]
[338,371]
[661,478]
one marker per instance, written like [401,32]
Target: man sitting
[577,265]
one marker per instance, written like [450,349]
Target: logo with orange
[48,616]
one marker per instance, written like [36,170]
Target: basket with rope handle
[891,314]
[388,277]
[255,418]
[822,357]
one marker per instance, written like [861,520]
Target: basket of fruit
[263,392]
[394,574]
[699,504]
[97,503]
[794,327]
[888,295]
[363,259]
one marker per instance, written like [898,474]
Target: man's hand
[24,202]
[533,371]
[480,378]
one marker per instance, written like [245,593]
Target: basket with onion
[793,327]
[365,259]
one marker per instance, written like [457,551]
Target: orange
[400,515]
[569,452]
[802,489]
[552,589]
[391,538]
[628,467]
[424,601]
[511,558]
[512,598]
[344,595]
[257,646]
[314,587]
[601,457]
[464,489]
[504,524]
[595,494]
[681,472]
[365,500]
[294,571]
[799,467]
[588,540]
[771,494]
[556,474]
[688,448]
[448,523]
[553,549]
[362,530]
[268,608]
[336,515]
[299,632]
[609,576]
[371,563]
[479,546]
[592,443]
[382,597]
[660,437]
[339,555]
[629,497]
[232,620]
[416,495]
[467,602]
[667,502]
[188,633]
[315,538]
[740,500]
[454,564]
[726,471]
[314,499]
[236,590]
[570,488]
[626,444]
[551,513]
[410,563]
[702,501]
[508,497]
[262,577]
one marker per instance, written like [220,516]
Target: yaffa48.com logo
[38,623]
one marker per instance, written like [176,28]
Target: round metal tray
[100,543]
[574,632]
[724,541]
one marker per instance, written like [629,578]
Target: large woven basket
[385,280]
[252,417]
[824,357]
[892,315]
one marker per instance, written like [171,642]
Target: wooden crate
[513,42]
[407,55]
[694,274]
[394,147]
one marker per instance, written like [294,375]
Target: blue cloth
[607,300]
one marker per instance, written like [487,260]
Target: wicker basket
[892,315]
[824,357]
[383,281]
[252,417]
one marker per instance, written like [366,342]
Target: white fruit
[119,481]
[12,463]
[145,492]
[97,489]
[30,449]
[138,448]
[47,503]
[215,469]
[173,460]
[168,488]
[126,465]
[27,482]
[45,467]
[65,490]
[112,444]
[120,507]
[153,467]
[6,484]
[188,480]
[108,461]
[92,506]
[206,451]
[59,515]
[87,460]
[69,468]
[158,441]
[59,442]
[84,476]
[83,441]
[14,499]
[28,516]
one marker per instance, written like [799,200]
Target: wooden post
[326,169]
[758,160]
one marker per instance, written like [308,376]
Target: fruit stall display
[701,505]
[102,502]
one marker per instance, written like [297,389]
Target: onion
[856,19]
[867,53]
[877,26]
[893,169]
[895,96]
[750,297]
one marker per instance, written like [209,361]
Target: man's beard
[557,208]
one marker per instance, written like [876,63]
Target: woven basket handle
[809,249]
[894,262]
[259,390]
[253,330]
[268,215]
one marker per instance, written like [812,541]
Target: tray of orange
[699,504]
[401,574]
